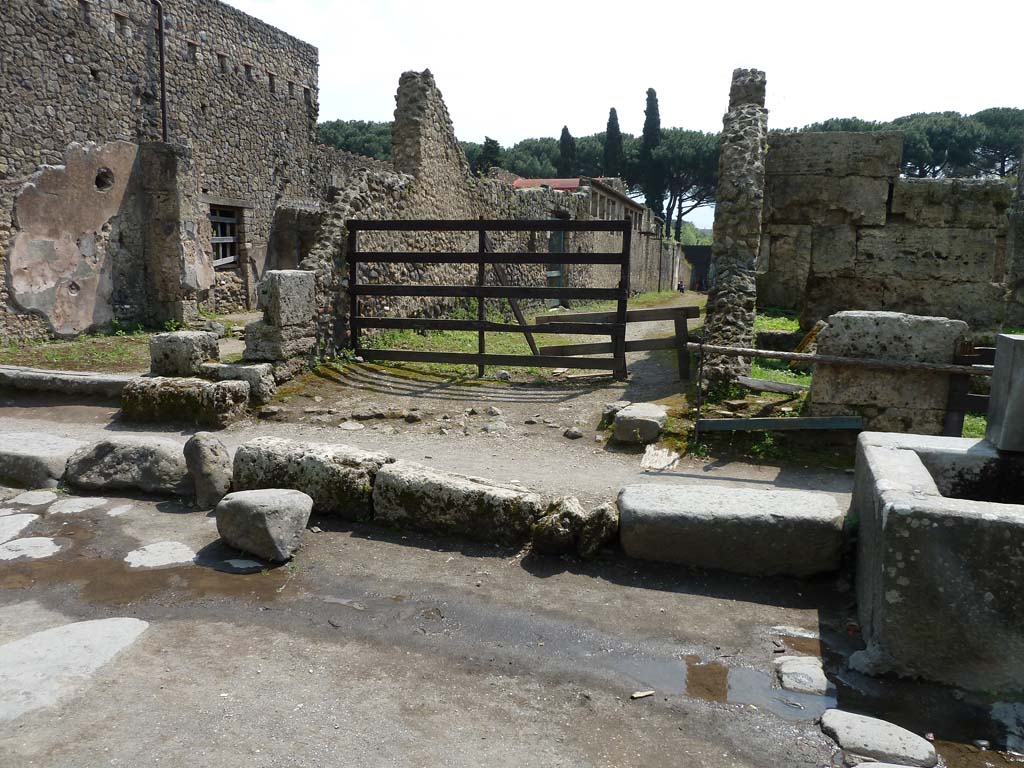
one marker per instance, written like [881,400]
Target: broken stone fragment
[802,674]
[287,297]
[640,423]
[566,526]
[267,523]
[610,409]
[867,737]
[209,463]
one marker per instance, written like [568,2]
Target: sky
[515,70]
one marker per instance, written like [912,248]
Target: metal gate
[482,257]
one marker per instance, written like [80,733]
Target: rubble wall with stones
[737,229]
[843,231]
[87,71]
[431,179]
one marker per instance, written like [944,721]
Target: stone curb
[86,383]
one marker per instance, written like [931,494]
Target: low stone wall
[890,401]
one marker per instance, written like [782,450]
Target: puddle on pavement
[717,682]
[968,756]
[57,410]
[112,581]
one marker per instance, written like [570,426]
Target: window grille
[224,223]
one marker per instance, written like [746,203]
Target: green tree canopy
[590,155]
[362,137]
[1002,140]
[689,161]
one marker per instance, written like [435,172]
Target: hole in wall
[104,179]
[73,288]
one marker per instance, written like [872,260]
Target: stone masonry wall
[844,231]
[737,229]
[241,94]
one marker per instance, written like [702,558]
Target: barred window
[224,223]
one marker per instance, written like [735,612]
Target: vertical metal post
[353,297]
[619,338]
[480,313]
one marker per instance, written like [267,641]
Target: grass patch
[778,370]
[117,354]
[974,425]
[769,319]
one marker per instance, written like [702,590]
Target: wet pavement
[379,648]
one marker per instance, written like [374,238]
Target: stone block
[836,153]
[803,674]
[267,523]
[411,495]
[338,478]
[35,459]
[877,740]
[834,250]
[740,530]
[288,297]
[788,259]
[184,401]
[903,401]
[181,353]
[271,343]
[1006,405]
[924,255]
[640,423]
[259,377]
[971,203]
[826,200]
[938,576]
[209,464]
[150,464]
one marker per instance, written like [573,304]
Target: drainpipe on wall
[163,67]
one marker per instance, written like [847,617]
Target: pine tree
[566,154]
[652,176]
[614,156]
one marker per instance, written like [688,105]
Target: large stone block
[259,377]
[35,459]
[938,561]
[740,530]
[150,464]
[826,200]
[411,495]
[271,343]
[834,250]
[928,254]
[209,464]
[904,401]
[783,274]
[337,477]
[1005,428]
[266,523]
[836,153]
[971,203]
[288,297]
[181,353]
[873,739]
[184,401]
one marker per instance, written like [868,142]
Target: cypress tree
[566,154]
[614,156]
[652,176]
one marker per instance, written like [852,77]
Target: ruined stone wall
[737,230]
[844,231]
[87,71]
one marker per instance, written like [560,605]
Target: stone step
[741,530]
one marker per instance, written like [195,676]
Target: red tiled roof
[565,185]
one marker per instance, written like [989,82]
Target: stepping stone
[266,523]
[41,669]
[35,498]
[160,555]
[740,530]
[12,525]
[31,548]
[876,739]
[803,674]
[75,505]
